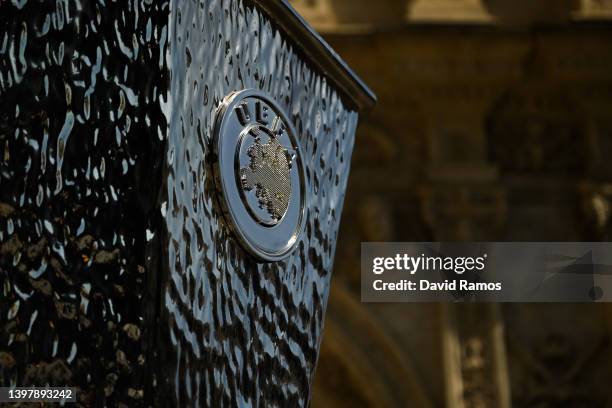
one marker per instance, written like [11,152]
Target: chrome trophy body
[171,184]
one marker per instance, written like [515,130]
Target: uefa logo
[259,174]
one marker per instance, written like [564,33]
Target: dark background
[494,123]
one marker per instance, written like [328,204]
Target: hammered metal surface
[117,272]
[245,333]
[81,132]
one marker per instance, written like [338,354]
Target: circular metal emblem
[259,174]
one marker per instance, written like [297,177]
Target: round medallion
[259,174]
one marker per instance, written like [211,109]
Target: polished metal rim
[266,215]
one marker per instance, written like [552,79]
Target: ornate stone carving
[557,357]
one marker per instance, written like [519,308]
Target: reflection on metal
[259,174]
[81,85]
[241,332]
[118,274]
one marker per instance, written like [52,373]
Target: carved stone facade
[494,122]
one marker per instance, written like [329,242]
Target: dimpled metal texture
[242,332]
[82,133]
[118,274]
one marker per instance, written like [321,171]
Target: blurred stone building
[494,123]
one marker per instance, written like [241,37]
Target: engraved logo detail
[269,173]
[259,174]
